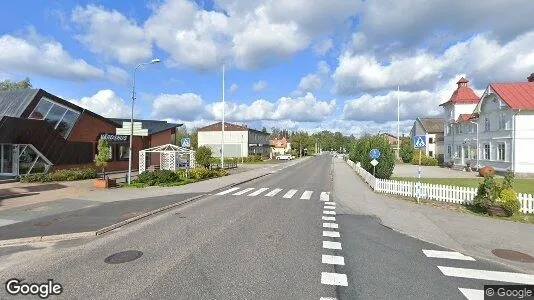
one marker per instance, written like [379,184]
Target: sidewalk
[469,234]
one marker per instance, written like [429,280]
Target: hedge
[61,175]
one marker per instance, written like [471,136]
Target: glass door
[6,159]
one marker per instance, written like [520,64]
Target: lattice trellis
[142,161]
[170,157]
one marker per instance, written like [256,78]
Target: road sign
[127,129]
[374,153]
[419,141]
[374,162]
[186,142]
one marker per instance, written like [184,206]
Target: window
[123,152]
[431,153]
[458,151]
[502,120]
[466,152]
[449,151]
[41,110]
[486,124]
[431,140]
[487,152]
[501,151]
[59,117]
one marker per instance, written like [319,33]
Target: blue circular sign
[374,153]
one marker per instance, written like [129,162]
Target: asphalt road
[272,238]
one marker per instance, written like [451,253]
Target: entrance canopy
[171,157]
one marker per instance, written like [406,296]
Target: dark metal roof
[153,126]
[14,102]
[432,125]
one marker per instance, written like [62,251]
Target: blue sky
[315,65]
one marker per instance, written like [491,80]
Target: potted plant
[101,160]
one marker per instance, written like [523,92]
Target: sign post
[419,142]
[374,154]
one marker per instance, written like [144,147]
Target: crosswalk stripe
[330,225]
[228,191]
[306,195]
[241,192]
[329,212]
[273,192]
[487,275]
[290,194]
[324,196]
[333,260]
[327,218]
[332,245]
[447,254]
[472,294]
[329,207]
[256,193]
[330,203]
[334,279]
[331,233]
[327,298]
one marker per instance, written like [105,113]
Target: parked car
[284,157]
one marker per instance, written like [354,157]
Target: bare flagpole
[398,122]
[222,123]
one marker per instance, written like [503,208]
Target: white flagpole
[222,123]
[398,122]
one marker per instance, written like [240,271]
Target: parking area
[408,170]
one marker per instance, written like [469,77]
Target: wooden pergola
[171,157]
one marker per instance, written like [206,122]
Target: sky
[299,65]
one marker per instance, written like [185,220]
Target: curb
[46,238]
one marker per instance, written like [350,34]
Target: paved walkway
[466,233]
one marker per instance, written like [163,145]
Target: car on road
[284,157]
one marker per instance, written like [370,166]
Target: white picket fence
[445,193]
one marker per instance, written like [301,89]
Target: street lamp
[478,150]
[153,61]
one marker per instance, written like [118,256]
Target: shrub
[158,177]
[508,182]
[508,200]
[487,170]
[425,160]
[101,159]
[360,153]
[61,175]
[203,156]
[487,193]
[406,151]
[39,177]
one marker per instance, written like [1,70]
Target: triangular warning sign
[419,143]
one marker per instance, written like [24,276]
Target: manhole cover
[123,257]
[513,255]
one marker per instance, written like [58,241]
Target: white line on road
[306,195]
[331,233]
[327,298]
[329,207]
[330,203]
[256,193]
[331,245]
[290,194]
[273,192]
[326,218]
[329,212]
[333,260]
[330,225]
[472,294]
[334,279]
[228,191]
[324,196]
[488,275]
[447,254]
[243,191]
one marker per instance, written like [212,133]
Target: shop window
[123,152]
[59,117]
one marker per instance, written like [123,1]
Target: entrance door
[6,159]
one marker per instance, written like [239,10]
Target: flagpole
[222,123]
[398,122]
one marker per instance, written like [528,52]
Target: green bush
[360,153]
[425,160]
[487,193]
[203,156]
[202,173]
[61,175]
[158,177]
[406,150]
[508,200]
[38,177]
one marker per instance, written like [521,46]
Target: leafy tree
[264,129]
[181,132]
[360,153]
[406,150]
[13,85]
[194,138]
[203,156]
[102,157]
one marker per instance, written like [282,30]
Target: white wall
[524,142]
[212,139]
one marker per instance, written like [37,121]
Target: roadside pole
[419,177]
[419,142]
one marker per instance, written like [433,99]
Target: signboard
[137,129]
[113,137]
[374,162]
[419,141]
[374,153]
[186,142]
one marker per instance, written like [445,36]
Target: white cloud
[105,103]
[117,75]
[177,106]
[260,85]
[322,47]
[306,108]
[233,87]
[316,80]
[111,34]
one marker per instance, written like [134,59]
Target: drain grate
[123,257]
[513,255]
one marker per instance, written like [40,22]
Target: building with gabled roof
[432,129]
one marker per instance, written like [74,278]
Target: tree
[102,157]
[203,156]
[181,132]
[406,150]
[7,85]
[264,130]
[194,138]
[360,153]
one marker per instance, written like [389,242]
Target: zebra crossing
[272,192]
[476,274]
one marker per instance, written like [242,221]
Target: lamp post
[130,151]
[478,150]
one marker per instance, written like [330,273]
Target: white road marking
[331,245]
[290,194]
[334,279]
[273,192]
[331,233]
[326,218]
[488,275]
[324,196]
[256,193]
[333,260]
[330,225]
[243,191]
[327,298]
[447,254]
[329,207]
[329,212]
[228,191]
[306,195]
[330,203]
[472,294]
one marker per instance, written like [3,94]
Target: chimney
[531,78]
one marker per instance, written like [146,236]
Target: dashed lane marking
[333,260]
[324,196]
[329,207]
[243,191]
[306,195]
[330,203]
[331,234]
[331,245]
[487,275]
[256,193]
[326,218]
[447,255]
[228,191]
[273,192]
[330,225]
[327,298]
[329,212]
[290,194]
[334,279]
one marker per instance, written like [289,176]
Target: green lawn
[520,185]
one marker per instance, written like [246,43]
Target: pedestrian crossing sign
[419,141]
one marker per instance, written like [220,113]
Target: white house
[432,129]
[239,141]
[503,120]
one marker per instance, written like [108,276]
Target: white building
[239,141]
[503,119]
[432,129]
